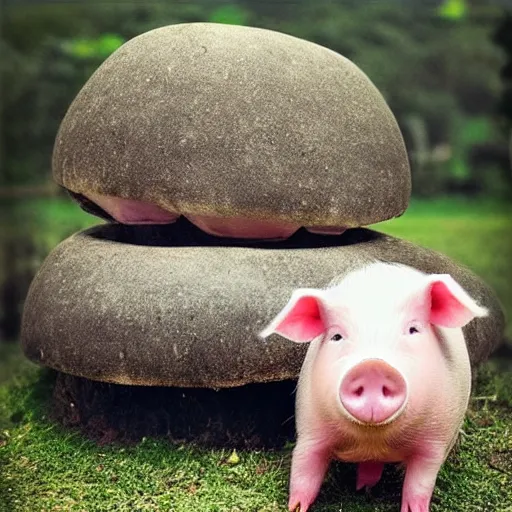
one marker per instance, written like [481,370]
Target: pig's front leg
[420,478]
[310,461]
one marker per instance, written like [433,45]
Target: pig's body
[427,428]
[386,378]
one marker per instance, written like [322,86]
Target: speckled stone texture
[229,121]
[173,306]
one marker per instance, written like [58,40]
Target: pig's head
[384,337]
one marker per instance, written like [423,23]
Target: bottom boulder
[173,306]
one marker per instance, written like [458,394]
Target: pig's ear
[450,305]
[301,319]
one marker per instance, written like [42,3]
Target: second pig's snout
[372,392]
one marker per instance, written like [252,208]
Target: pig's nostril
[386,391]
[359,391]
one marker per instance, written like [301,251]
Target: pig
[131,211]
[386,378]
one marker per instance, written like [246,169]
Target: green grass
[45,467]
[46,221]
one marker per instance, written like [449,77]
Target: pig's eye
[413,330]
[337,337]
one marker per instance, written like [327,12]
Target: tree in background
[503,37]
[435,63]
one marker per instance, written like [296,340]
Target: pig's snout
[373,391]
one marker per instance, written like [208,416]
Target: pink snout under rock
[373,391]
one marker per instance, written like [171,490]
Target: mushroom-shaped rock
[185,310]
[247,132]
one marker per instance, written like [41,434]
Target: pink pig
[386,378]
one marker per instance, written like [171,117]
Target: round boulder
[173,306]
[247,132]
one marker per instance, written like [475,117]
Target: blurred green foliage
[503,38]
[229,14]
[101,47]
[435,62]
[452,9]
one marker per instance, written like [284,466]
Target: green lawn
[44,467]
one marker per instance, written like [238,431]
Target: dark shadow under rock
[183,233]
[248,417]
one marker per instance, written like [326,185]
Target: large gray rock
[216,120]
[121,304]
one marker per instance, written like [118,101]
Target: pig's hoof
[299,503]
[416,504]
